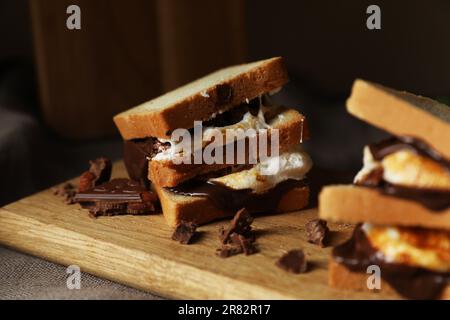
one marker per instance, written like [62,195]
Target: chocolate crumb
[317,232]
[293,261]
[184,232]
[101,168]
[66,190]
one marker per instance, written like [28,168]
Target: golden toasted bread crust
[201,99]
[402,114]
[353,204]
[340,277]
[201,210]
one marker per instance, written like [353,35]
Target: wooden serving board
[138,251]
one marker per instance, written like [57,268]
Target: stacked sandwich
[400,199]
[235,99]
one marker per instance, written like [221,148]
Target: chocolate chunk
[101,168]
[238,237]
[184,232]
[66,190]
[317,232]
[99,172]
[241,224]
[224,94]
[294,261]
[137,153]
[245,243]
[86,181]
[118,196]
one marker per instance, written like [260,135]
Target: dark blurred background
[59,88]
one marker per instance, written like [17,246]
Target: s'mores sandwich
[179,145]
[400,200]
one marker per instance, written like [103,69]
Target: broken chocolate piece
[184,232]
[66,190]
[241,224]
[86,181]
[118,196]
[317,232]
[98,173]
[238,237]
[293,261]
[101,168]
[245,243]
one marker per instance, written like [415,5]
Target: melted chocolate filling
[138,152]
[386,147]
[226,198]
[411,282]
[433,199]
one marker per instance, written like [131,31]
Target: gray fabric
[26,277]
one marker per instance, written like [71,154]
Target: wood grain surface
[138,251]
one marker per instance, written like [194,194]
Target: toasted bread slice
[402,114]
[354,204]
[165,173]
[201,210]
[342,278]
[201,99]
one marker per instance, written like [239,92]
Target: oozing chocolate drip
[433,199]
[230,199]
[411,282]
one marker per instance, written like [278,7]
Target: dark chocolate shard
[101,168]
[184,232]
[317,232]
[118,196]
[241,224]
[238,237]
[293,261]
[247,244]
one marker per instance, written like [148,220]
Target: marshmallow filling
[407,168]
